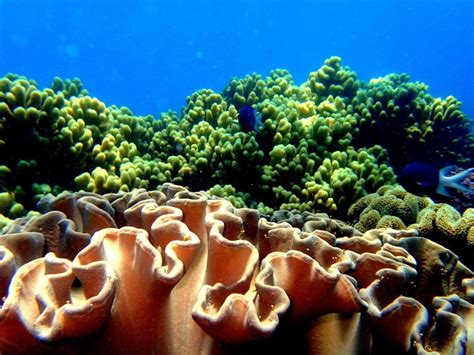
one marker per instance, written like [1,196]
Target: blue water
[149,55]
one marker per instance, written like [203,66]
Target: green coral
[389,206]
[69,87]
[443,222]
[280,163]
[345,177]
[310,152]
[59,137]
[332,79]
[391,109]
[392,204]
[393,207]
[8,207]
[238,199]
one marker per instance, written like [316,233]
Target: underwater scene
[236,177]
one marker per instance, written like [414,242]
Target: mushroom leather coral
[173,272]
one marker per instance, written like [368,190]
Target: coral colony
[264,218]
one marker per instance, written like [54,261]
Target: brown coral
[225,280]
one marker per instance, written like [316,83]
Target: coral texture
[176,272]
[392,109]
[321,146]
[396,208]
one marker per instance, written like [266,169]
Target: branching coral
[322,145]
[392,109]
[333,79]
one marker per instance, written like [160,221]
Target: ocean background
[149,55]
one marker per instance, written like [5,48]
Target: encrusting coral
[321,146]
[389,206]
[156,264]
[396,208]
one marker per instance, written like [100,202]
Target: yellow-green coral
[395,208]
[69,87]
[8,206]
[389,206]
[228,192]
[392,110]
[443,221]
[308,153]
[332,79]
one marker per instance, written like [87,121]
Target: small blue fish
[426,179]
[248,120]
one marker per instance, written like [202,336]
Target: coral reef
[54,137]
[393,207]
[322,145]
[262,258]
[128,272]
[392,109]
[389,206]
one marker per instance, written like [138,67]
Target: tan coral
[146,278]
[225,280]
[24,246]
[7,270]
[454,326]
[41,305]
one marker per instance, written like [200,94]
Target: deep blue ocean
[150,54]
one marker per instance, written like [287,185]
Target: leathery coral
[175,272]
